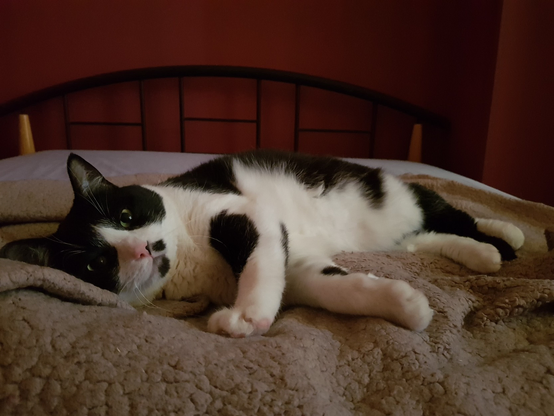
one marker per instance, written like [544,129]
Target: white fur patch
[501,229]
[481,257]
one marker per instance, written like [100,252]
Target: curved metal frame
[377,99]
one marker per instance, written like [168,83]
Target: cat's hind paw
[513,236]
[237,324]
[502,229]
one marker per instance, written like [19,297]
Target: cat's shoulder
[215,175]
[219,174]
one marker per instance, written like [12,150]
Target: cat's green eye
[97,264]
[125,218]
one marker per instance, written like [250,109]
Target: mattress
[51,165]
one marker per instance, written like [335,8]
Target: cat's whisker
[91,202]
[172,231]
[71,253]
[126,285]
[97,204]
[208,237]
[148,302]
[58,240]
[107,205]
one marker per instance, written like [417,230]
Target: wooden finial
[26,143]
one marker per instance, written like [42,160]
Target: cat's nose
[141,251]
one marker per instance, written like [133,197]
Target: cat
[257,230]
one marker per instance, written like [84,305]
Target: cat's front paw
[410,306]
[483,258]
[237,323]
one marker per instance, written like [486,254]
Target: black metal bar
[142,115]
[103,123]
[334,131]
[373,129]
[181,115]
[258,112]
[220,120]
[225,71]
[296,116]
[67,122]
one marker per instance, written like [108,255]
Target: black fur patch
[145,205]
[441,217]
[235,237]
[158,245]
[285,242]
[163,268]
[333,270]
[316,171]
[214,176]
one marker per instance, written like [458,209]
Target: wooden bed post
[26,143]
[414,154]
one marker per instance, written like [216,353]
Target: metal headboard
[421,115]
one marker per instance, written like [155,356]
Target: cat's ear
[32,250]
[85,178]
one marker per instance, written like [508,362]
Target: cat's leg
[481,257]
[442,218]
[261,279]
[320,283]
[502,229]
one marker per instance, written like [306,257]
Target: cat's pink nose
[133,249]
[140,251]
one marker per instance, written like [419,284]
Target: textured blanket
[68,348]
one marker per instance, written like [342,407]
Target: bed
[70,348]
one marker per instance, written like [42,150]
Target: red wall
[433,53]
[438,54]
[520,145]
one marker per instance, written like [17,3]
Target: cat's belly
[343,220]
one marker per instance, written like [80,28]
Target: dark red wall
[520,145]
[438,54]
[433,53]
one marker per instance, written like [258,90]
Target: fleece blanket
[68,348]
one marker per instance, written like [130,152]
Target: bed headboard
[169,109]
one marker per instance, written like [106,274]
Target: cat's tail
[441,217]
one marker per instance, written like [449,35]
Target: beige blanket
[68,348]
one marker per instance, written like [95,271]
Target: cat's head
[113,237]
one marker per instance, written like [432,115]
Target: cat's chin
[146,294]
[149,284]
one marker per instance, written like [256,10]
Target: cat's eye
[97,264]
[125,218]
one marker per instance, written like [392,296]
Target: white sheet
[51,165]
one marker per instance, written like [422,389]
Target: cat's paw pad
[484,258]
[237,323]
[410,306]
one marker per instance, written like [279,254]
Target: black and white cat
[256,230]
